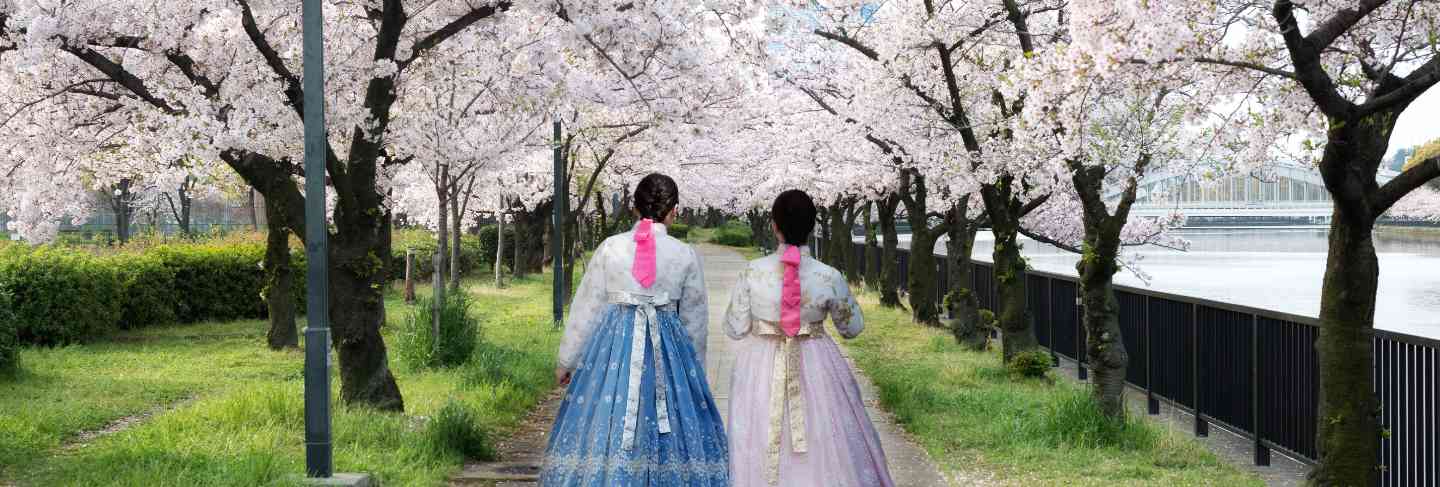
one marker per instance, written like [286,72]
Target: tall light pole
[318,451]
[557,233]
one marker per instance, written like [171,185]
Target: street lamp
[318,450]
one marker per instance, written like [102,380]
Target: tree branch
[1305,55]
[119,74]
[1403,184]
[451,29]
[851,42]
[1413,86]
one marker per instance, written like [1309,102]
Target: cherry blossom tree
[217,80]
[1330,77]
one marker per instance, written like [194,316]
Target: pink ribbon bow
[644,267]
[790,292]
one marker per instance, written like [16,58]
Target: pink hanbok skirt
[843,449]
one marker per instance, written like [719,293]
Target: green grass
[972,415]
[707,235]
[231,411]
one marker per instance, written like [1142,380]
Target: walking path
[910,466]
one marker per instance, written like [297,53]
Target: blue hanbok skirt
[589,445]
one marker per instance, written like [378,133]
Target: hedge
[679,231]
[60,296]
[9,344]
[734,234]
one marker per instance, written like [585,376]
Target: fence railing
[1252,371]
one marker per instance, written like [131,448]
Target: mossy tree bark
[922,282]
[1005,210]
[963,305]
[854,267]
[1105,346]
[835,235]
[889,255]
[872,270]
[279,283]
[1348,433]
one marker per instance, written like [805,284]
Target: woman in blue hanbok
[638,411]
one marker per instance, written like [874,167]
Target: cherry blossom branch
[119,74]
[1407,181]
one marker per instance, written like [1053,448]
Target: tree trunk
[409,276]
[357,309]
[457,226]
[854,267]
[922,281]
[254,212]
[836,237]
[1348,432]
[182,218]
[760,231]
[1105,348]
[889,258]
[1010,269]
[442,234]
[499,248]
[961,302]
[279,285]
[120,204]
[872,271]
[923,285]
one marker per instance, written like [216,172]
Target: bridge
[1279,195]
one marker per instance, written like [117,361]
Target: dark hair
[794,213]
[655,196]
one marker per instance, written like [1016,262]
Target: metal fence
[1252,371]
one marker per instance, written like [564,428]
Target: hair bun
[656,196]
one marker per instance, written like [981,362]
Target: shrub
[63,296]
[476,251]
[457,430]
[1030,363]
[9,343]
[148,290]
[734,234]
[680,231]
[415,341]
[59,296]
[217,282]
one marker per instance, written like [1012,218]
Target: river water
[1273,268]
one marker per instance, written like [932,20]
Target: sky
[1418,124]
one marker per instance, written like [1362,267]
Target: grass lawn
[227,411]
[700,235]
[967,411]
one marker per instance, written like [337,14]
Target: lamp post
[318,451]
[557,233]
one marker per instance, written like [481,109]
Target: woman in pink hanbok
[796,415]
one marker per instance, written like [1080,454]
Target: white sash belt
[785,390]
[646,325]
